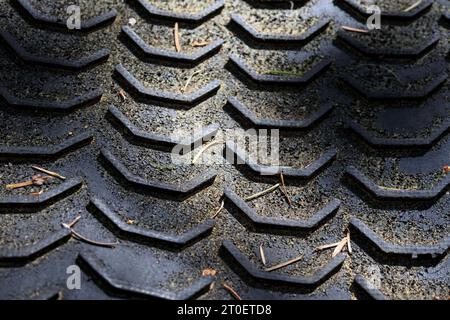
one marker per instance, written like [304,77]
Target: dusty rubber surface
[380,146]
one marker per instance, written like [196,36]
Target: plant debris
[284,190]
[200,43]
[189,81]
[262,255]
[80,237]
[338,246]
[284,264]
[122,95]
[413,6]
[209,272]
[131,222]
[204,148]
[37,194]
[36,180]
[50,173]
[232,291]
[132,21]
[176,36]
[262,193]
[218,210]
[351,29]
[446,169]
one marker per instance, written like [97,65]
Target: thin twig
[262,193]
[349,246]
[204,148]
[50,173]
[412,7]
[177,37]
[189,80]
[263,256]
[71,224]
[36,180]
[284,264]
[232,291]
[327,246]
[96,243]
[284,190]
[218,210]
[347,28]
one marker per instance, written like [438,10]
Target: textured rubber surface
[363,122]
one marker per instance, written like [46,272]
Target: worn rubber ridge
[373,292]
[282,223]
[54,62]
[265,170]
[412,251]
[409,143]
[130,232]
[381,193]
[401,15]
[189,100]
[206,133]
[181,57]
[185,189]
[125,287]
[308,35]
[89,98]
[280,80]
[251,118]
[278,278]
[46,152]
[425,91]
[86,25]
[410,53]
[29,201]
[181,16]
[31,252]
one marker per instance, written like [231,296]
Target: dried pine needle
[189,81]
[50,173]
[339,247]
[284,190]
[232,291]
[176,36]
[413,6]
[327,246]
[284,264]
[204,148]
[218,210]
[347,28]
[262,193]
[262,254]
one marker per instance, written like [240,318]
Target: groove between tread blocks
[269,222]
[126,287]
[249,116]
[46,152]
[86,25]
[67,187]
[369,288]
[133,231]
[183,17]
[179,99]
[409,250]
[389,52]
[55,106]
[185,189]
[398,142]
[258,36]
[254,272]
[149,51]
[55,62]
[31,252]
[204,135]
[265,170]
[398,195]
[281,80]
[390,94]
[402,15]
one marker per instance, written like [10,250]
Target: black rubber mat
[363,119]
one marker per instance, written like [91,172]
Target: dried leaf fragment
[209,272]
[200,43]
